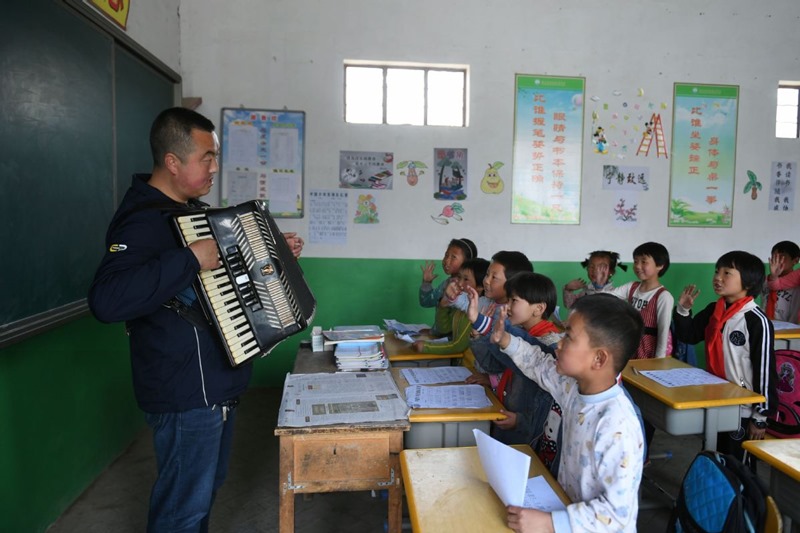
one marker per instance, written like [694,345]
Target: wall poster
[262,159]
[548,147]
[703,155]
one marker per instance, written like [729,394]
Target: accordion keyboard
[258,297]
[221,296]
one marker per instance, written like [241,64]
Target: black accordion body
[258,297]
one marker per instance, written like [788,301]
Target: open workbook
[507,470]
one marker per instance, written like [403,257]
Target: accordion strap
[189,314]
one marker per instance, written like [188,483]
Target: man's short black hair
[657,251]
[171,132]
[787,247]
[750,268]
[611,323]
[513,262]
[533,288]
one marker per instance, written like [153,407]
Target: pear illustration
[492,183]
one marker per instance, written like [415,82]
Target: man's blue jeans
[192,450]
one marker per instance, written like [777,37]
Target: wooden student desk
[447,490]
[440,428]
[402,354]
[706,409]
[783,457]
[786,338]
[341,457]
[430,428]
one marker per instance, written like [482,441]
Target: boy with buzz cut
[739,341]
[780,297]
[601,456]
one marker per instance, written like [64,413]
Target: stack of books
[357,348]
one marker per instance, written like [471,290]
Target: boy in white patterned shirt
[601,459]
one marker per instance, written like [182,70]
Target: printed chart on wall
[548,144]
[703,155]
[262,158]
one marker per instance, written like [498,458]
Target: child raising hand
[458,251]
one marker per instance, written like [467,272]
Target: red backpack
[785,423]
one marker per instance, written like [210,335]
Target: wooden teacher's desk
[341,457]
[783,457]
[446,490]
[706,409]
[430,428]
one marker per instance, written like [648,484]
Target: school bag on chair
[786,420]
[718,493]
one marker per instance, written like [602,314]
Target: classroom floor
[248,502]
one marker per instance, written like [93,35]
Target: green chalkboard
[67,93]
[141,94]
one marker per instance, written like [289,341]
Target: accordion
[258,297]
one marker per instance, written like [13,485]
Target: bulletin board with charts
[262,159]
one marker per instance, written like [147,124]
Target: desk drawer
[348,460]
[444,434]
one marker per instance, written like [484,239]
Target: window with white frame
[417,95]
[787,115]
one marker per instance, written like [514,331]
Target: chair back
[774,522]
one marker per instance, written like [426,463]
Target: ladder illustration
[654,128]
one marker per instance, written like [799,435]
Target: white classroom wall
[276,53]
[155,26]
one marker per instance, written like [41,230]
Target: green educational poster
[703,155]
[548,148]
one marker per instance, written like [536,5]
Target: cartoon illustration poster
[548,143]
[449,212]
[366,210]
[450,182]
[628,123]
[782,185]
[365,170]
[412,170]
[703,155]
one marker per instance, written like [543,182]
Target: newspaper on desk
[340,398]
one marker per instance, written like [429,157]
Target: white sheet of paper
[779,325]
[436,374]
[447,397]
[506,469]
[394,325]
[682,377]
[540,495]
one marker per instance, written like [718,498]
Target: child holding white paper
[601,457]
